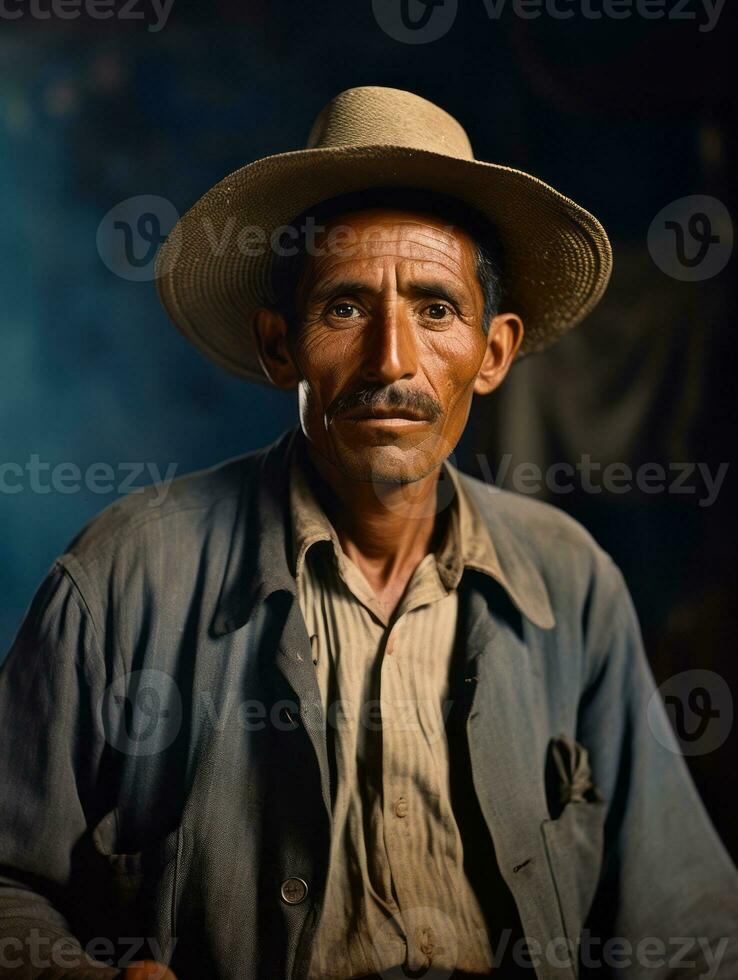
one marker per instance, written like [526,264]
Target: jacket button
[294,891]
[401,807]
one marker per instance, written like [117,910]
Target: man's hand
[147,970]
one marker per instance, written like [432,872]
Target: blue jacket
[164,770]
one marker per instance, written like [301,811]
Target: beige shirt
[396,892]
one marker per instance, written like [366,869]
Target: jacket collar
[256,565]
[259,562]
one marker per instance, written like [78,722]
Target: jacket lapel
[294,661]
[507,739]
[256,565]
[257,568]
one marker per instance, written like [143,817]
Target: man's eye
[344,310]
[437,311]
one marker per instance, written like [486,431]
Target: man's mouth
[365,414]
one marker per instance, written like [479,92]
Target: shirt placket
[402,741]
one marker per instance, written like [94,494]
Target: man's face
[390,343]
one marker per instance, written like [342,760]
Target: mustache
[387,398]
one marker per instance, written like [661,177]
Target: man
[334,709]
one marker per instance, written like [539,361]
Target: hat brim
[214,270]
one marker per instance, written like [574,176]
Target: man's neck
[386,529]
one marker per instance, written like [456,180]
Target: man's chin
[386,464]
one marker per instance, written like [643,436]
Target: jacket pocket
[126,897]
[574,838]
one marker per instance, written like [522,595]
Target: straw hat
[214,270]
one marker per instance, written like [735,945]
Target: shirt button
[401,807]
[426,941]
[294,891]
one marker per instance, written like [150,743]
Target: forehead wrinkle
[453,238]
[433,273]
[412,251]
[438,243]
[435,227]
[439,240]
[416,248]
[448,235]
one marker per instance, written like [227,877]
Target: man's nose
[391,346]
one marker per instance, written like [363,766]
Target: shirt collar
[258,561]
[466,544]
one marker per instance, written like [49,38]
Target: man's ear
[271,334]
[504,338]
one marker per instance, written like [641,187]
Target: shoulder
[533,520]
[158,528]
[537,542]
[560,547]
[182,501]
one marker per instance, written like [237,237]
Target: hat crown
[375,116]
